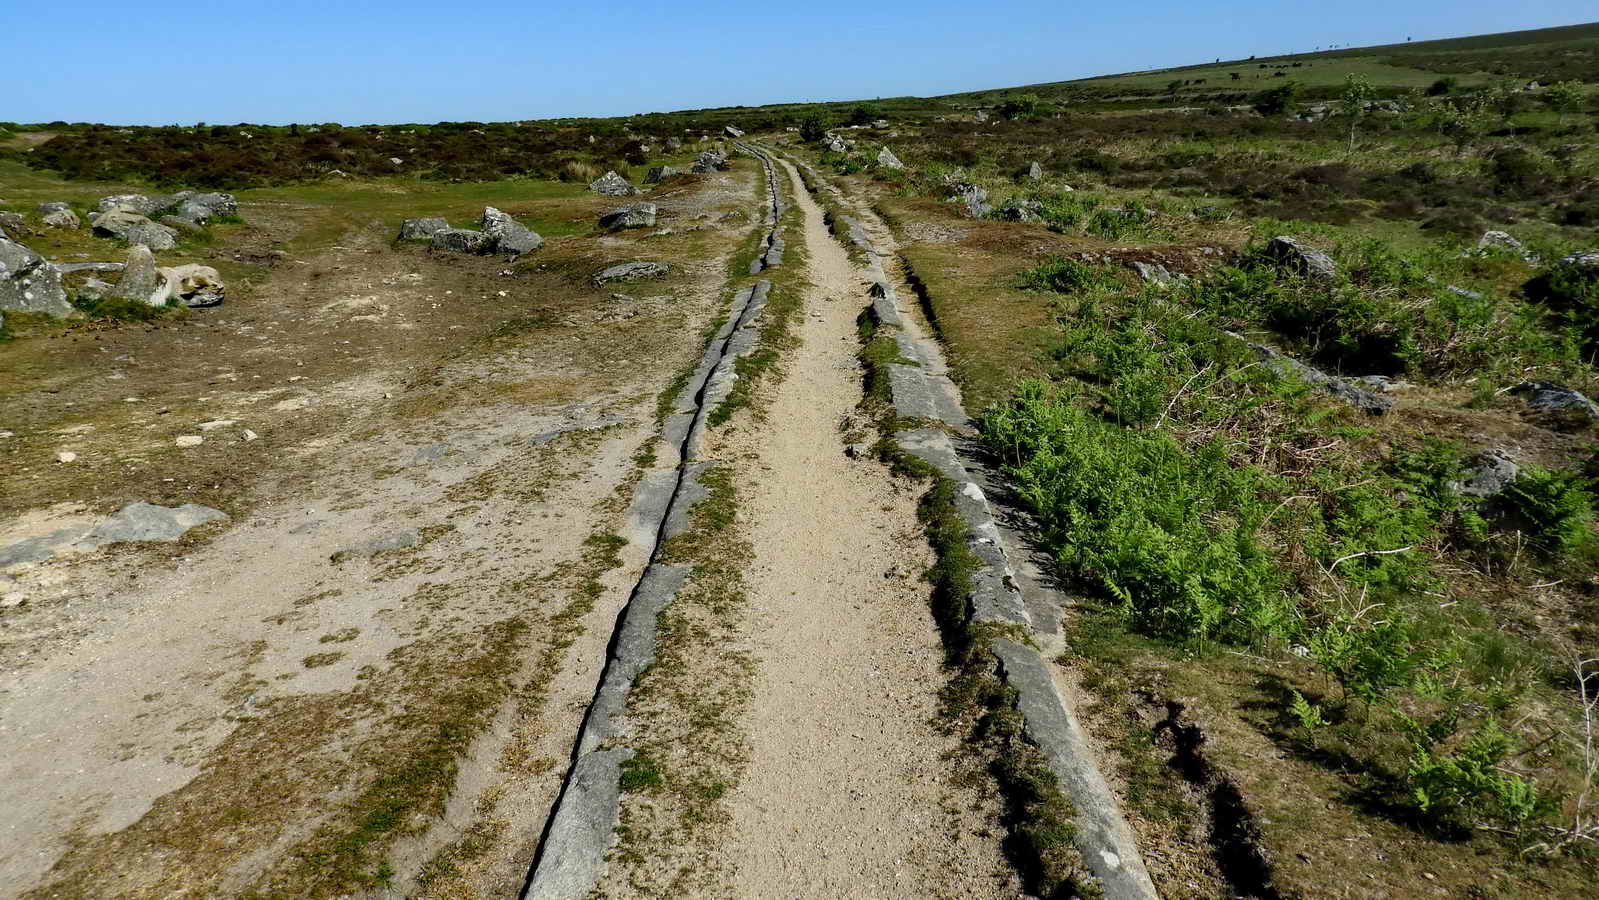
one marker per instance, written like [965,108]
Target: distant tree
[1173,85]
[1235,75]
[813,128]
[1442,86]
[1358,91]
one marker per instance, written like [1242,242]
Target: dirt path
[848,792]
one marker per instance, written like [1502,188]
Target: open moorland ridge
[1162,485]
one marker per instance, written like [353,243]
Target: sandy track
[848,792]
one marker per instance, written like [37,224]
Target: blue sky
[488,60]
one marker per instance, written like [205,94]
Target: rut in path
[847,792]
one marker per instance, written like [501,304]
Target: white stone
[66,456]
[190,440]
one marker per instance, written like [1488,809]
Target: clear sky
[281,61]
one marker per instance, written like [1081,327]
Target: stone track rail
[570,859]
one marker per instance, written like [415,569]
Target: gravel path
[849,792]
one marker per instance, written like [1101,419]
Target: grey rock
[137,203]
[421,229]
[29,284]
[508,235]
[135,229]
[13,221]
[612,185]
[147,522]
[1035,171]
[95,289]
[661,173]
[631,271]
[1021,209]
[218,204]
[193,285]
[1487,474]
[374,546]
[1587,260]
[55,206]
[887,159]
[1290,254]
[633,215]
[834,143]
[1154,273]
[141,280]
[1499,240]
[192,212]
[710,161]
[58,215]
[733,132]
[38,548]
[973,199]
[1553,398]
[461,240]
[674,143]
[1357,397]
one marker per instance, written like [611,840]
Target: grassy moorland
[1312,643]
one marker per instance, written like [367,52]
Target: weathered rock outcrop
[633,215]
[58,215]
[192,285]
[973,199]
[888,160]
[1290,254]
[1551,398]
[1359,398]
[135,229]
[613,185]
[1487,474]
[710,161]
[1035,172]
[733,132]
[661,173]
[29,284]
[631,271]
[421,229]
[141,279]
[461,240]
[508,235]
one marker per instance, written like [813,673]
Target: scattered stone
[858,451]
[1035,172]
[1554,399]
[658,174]
[1487,474]
[196,286]
[709,161]
[1291,254]
[508,235]
[13,221]
[217,423]
[399,541]
[137,203]
[631,271]
[1357,397]
[249,435]
[148,522]
[422,229]
[613,185]
[59,215]
[633,215]
[981,115]
[66,456]
[460,240]
[1155,273]
[834,143]
[674,143]
[135,229]
[887,159]
[141,279]
[733,132]
[879,123]
[973,199]
[1021,209]
[190,440]
[1499,240]
[1587,260]
[95,289]
[29,284]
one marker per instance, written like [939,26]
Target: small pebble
[190,440]
[66,456]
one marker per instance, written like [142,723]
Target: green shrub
[1024,106]
[1442,86]
[1277,101]
[1170,535]
[1115,224]
[813,128]
[1470,787]
[1554,507]
[1064,276]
